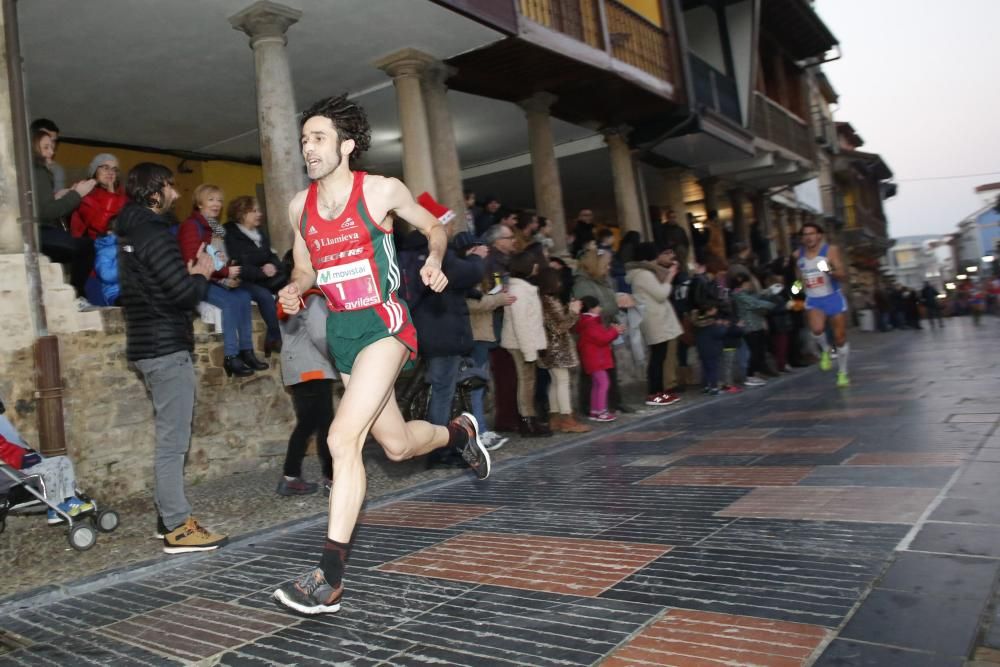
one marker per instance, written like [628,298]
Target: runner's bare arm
[837,268]
[402,203]
[303,275]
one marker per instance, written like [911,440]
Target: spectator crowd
[530,341]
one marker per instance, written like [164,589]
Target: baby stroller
[23,492]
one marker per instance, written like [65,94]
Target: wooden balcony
[776,124]
[604,63]
[608,26]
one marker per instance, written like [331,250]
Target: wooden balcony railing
[609,26]
[777,124]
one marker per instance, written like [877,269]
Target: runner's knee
[343,446]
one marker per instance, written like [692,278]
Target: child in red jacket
[594,346]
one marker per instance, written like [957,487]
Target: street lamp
[949,285]
[987,259]
[971,269]
[961,276]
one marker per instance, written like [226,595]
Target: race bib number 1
[349,286]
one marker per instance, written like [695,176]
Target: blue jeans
[268,310]
[237,329]
[441,374]
[481,356]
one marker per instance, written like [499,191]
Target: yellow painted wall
[235,178]
[650,9]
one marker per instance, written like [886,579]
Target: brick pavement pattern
[795,525]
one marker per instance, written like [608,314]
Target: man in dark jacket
[442,320]
[158,293]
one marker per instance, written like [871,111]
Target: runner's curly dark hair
[349,119]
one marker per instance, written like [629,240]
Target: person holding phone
[821,270]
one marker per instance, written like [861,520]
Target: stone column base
[16,327]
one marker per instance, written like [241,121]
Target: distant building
[915,259]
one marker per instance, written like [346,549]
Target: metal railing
[777,124]
[714,90]
[631,38]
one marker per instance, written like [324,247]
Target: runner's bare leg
[369,404]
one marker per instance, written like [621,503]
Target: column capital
[539,102]
[612,132]
[265,20]
[405,63]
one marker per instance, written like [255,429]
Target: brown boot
[556,422]
[571,425]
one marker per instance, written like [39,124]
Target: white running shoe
[493,440]
[754,382]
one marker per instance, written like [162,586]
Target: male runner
[821,270]
[343,244]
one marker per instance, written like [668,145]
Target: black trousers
[62,248]
[313,404]
[654,370]
[757,342]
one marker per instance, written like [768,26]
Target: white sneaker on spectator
[493,440]
[754,382]
[82,303]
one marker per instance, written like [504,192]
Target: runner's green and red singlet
[355,262]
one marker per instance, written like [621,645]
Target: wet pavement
[793,525]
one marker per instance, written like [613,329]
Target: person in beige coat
[523,335]
[651,276]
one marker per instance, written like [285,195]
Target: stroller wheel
[82,536]
[105,520]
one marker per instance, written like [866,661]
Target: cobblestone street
[792,525]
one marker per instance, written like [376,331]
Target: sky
[920,82]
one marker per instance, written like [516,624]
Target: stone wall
[239,425]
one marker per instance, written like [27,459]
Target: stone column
[741,229]
[444,152]
[545,166]
[406,67]
[623,174]
[717,235]
[675,196]
[277,118]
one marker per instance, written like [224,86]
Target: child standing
[594,346]
[560,353]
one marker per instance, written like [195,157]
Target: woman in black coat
[262,272]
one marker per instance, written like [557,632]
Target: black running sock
[335,554]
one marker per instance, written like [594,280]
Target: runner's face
[321,150]
[811,238]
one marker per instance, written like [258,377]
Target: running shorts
[350,331]
[831,304]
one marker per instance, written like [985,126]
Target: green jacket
[51,212]
[751,309]
[584,285]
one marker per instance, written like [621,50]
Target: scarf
[217,228]
[253,234]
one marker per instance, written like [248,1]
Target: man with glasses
[821,270]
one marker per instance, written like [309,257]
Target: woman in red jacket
[203,228]
[103,203]
[596,357]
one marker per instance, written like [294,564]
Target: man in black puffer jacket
[158,293]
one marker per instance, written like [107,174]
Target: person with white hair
[101,204]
